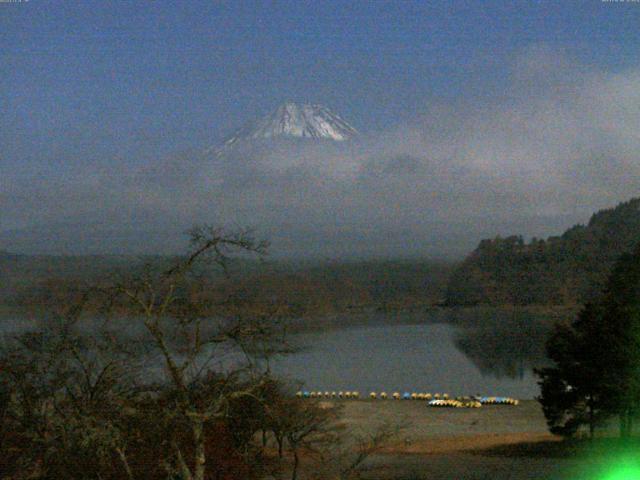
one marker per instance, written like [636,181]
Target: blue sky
[89,80]
[98,84]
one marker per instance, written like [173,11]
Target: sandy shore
[420,421]
[493,442]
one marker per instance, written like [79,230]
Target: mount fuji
[290,121]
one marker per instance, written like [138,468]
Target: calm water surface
[480,352]
[424,357]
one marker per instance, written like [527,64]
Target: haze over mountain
[289,137]
[292,120]
[559,143]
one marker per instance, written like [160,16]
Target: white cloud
[561,141]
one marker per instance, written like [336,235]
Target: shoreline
[416,315]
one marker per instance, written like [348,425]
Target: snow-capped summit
[295,120]
[303,120]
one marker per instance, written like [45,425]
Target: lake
[474,351]
[490,357]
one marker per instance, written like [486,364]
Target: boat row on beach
[434,400]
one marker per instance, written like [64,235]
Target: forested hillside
[562,270]
[307,288]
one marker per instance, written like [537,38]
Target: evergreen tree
[597,358]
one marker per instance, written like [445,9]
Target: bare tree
[66,392]
[183,330]
[307,427]
[313,429]
[152,365]
[351,459]
[148,365]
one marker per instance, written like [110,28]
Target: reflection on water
[476,352]
[504,343]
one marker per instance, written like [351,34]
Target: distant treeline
[307,288]
[565,270]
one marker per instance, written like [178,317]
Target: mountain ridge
[291,120]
